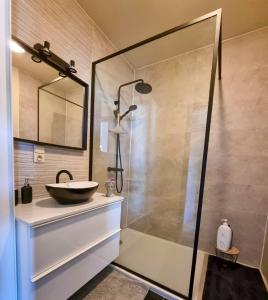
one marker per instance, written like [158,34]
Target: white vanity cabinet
[60,248]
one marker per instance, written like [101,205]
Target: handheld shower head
[131,108]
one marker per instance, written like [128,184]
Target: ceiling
[128,22]
[182,41]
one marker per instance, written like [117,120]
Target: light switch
[39,154]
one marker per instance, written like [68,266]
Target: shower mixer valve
[111,169]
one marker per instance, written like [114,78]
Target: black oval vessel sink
[72,192]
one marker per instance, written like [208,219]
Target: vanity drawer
[65,281]
[55,244]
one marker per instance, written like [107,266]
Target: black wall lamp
[45,54]
[45,50]
[36,59]
[70,69]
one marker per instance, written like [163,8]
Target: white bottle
[224,236]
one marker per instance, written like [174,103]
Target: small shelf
[232,254]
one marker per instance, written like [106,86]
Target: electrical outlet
[39,154]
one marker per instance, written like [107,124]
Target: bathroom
[165,125]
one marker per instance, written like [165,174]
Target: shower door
[164,144]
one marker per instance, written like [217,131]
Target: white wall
[7,222]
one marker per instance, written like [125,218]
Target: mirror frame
[32,51]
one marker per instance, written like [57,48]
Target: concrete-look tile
[251,142]
[248,229]
[166,224]
[240,197]
[124,211]
[167,202]
[238,169]
[143,224]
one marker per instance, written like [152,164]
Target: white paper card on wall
[104,131]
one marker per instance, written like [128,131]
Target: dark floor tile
[226,280]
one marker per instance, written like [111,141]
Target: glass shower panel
[108,77]
[162,149]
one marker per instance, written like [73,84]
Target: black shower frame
[217,59]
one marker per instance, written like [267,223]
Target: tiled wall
[236,182]
[167,146]
[73,35]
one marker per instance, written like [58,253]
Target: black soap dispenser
[26,192]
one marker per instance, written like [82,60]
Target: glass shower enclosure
[153,139]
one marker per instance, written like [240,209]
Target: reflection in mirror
[46,108]
[61,112]
[27,76]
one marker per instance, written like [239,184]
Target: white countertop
[47,209]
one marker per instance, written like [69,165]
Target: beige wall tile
[236,180]
[169,122]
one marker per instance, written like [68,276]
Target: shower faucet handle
[111,169]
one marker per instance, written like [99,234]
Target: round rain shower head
[143,88]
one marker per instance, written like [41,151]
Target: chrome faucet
[63,171]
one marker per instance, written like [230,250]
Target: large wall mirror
[50,106]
